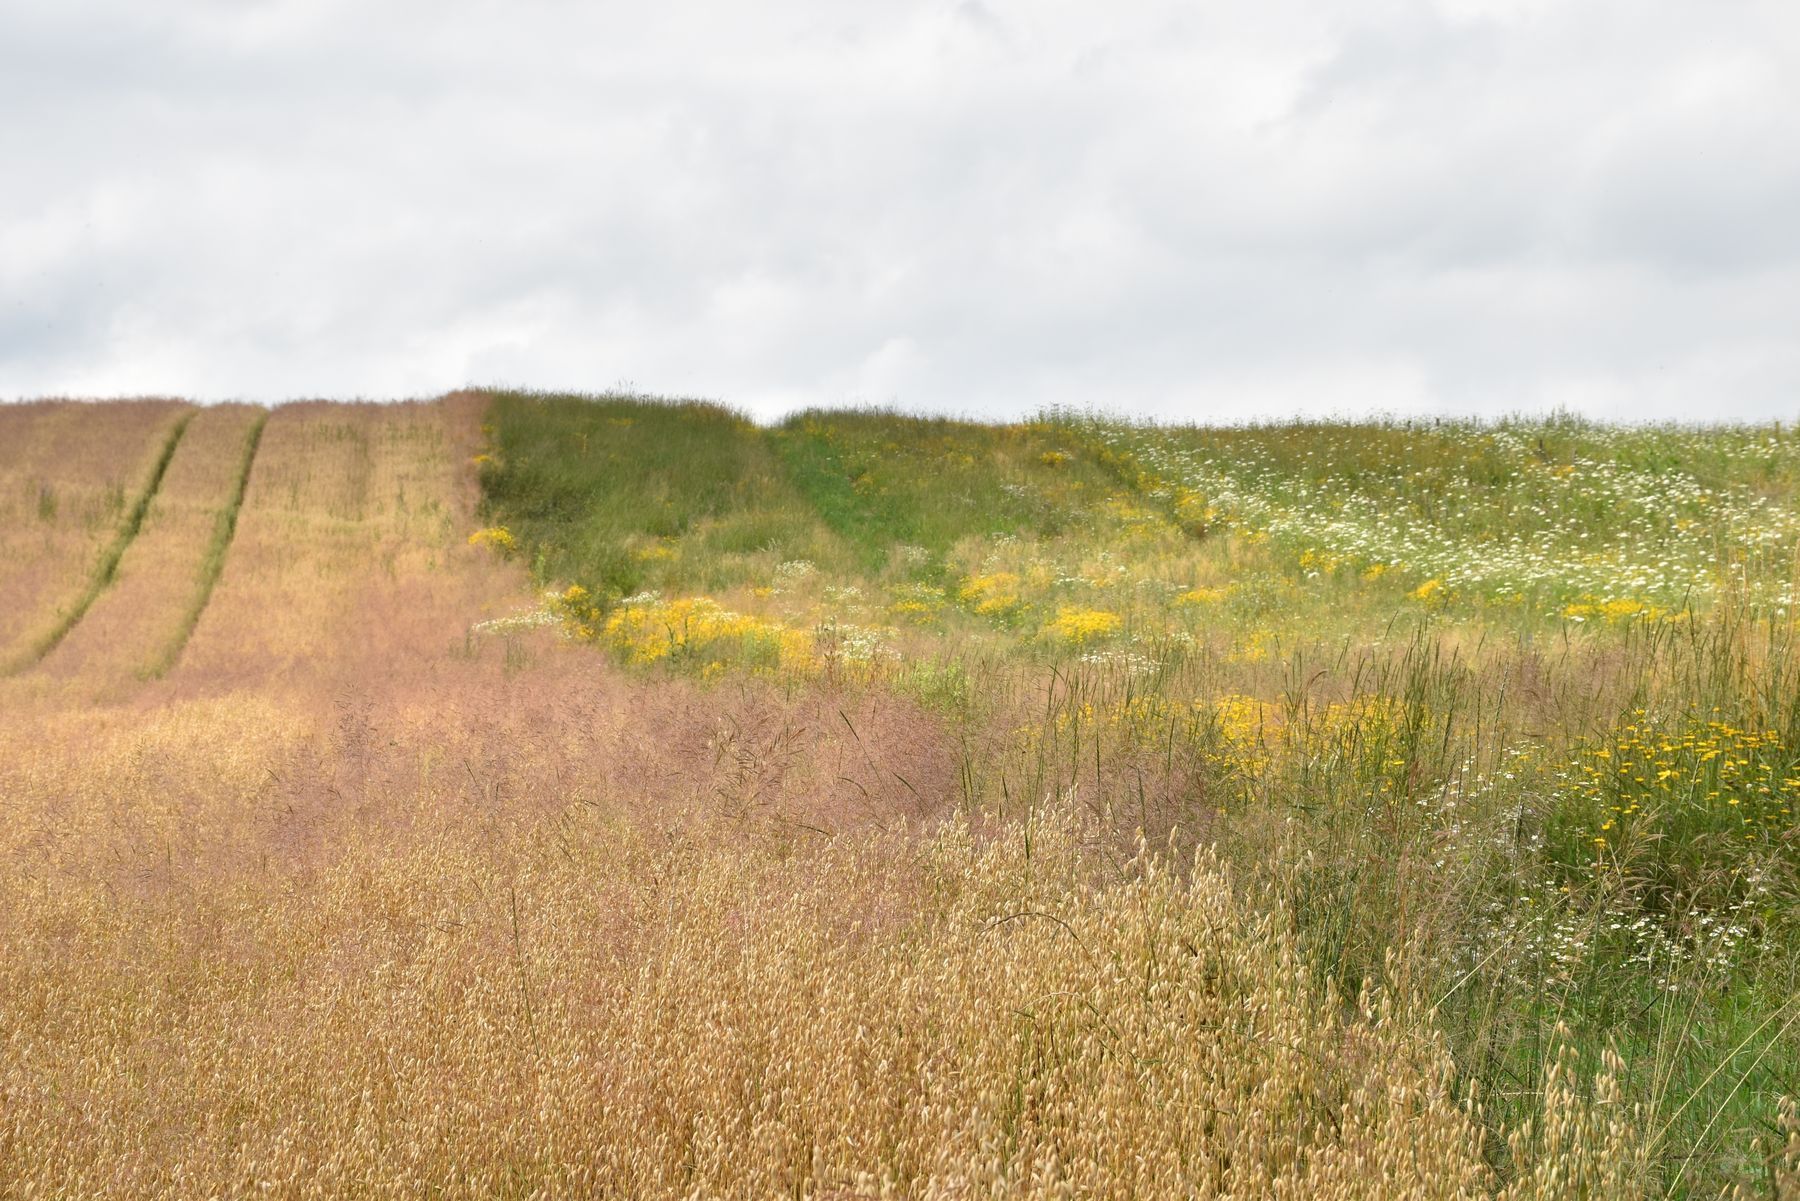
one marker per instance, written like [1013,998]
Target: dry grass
[493,953]
[69,473]
[160,573]
[349,547]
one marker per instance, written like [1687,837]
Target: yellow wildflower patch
[497,538]
[1256,647]
[1313,559]
[654,629]
[994,593]
[1077,627]
[1617,609]
[917,603]
[1241,722]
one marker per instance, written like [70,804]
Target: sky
[1205,212]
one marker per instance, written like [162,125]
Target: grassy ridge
[1506,716]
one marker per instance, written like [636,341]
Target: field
[528,796]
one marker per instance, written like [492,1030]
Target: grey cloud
[981,207]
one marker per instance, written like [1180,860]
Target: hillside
[547,795]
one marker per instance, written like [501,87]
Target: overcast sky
[1205,211]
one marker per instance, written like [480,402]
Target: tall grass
[348,547]
[492,957]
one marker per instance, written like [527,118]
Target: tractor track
[213,565]
[107,567]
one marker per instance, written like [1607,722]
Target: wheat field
[528,796]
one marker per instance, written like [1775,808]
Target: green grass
[621,495]
[884,480]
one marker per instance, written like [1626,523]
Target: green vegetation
[622,496]
[884,480]
[1503,718]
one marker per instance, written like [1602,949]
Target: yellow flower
[1615,610]
[995,593]
[497,537]
[1079,626]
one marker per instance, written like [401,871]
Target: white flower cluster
[1131,663]
[854,643]
[1502,519]
[641,600]
[517,623]
[792,572]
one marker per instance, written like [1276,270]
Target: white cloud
[1178,210]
